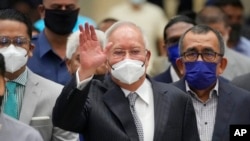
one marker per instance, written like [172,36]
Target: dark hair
[222,3]
[174,20]
[212,15]
[203,29]
[2,65]
[12,14]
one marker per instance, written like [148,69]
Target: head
[172,33]
[214,17]
[2,80]
[60,16]
[128,56]
[234,11]
[15,45]
[72,53]
[202,49]
[106,23]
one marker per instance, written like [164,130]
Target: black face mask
[235,33]
[61,22]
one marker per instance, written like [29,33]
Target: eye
[118,52]
[4,41]
[209,54]
[135,52]
[20,41]
[191,54]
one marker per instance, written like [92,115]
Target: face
[58,5]
[201,43]
[235,14]
[175,31]
[128,43]
[222,28]
[13,29]
[16,33]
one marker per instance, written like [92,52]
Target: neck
[58,42]
[203,94]
[12,76]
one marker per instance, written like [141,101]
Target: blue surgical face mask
[173,53]
[200,75]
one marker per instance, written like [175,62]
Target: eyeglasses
[18,41]
[134,53]
[207,56]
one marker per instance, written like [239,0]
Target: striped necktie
[10,106]
[132,98]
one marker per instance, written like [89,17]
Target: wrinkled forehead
[199,41]
[176,30]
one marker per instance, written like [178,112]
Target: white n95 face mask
[15,57]
[128,71]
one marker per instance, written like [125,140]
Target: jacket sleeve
[71,108]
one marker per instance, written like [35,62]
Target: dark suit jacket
[233,108]
[101,113]
[164,77]
[242,81]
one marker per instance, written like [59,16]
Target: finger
[93,33]
[80,35]
[87,31]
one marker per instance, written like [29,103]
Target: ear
[41,10]
[148,55]
[222,66]
[180,65]
[31,48]
[68,65]
[2,85]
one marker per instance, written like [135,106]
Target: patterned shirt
[205,112]
[20,88]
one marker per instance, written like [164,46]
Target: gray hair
[203,29]
[73,42]
[119,24]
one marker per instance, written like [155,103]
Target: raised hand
[91,53]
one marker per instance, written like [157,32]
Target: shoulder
[43,82]
[168,88]
[236,91]
[22,131]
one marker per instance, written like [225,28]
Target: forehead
[219,26]
[201,41]
[60,2]
[13,28]
[126,37]
[177,29]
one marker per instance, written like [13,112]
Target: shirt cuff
[81,84]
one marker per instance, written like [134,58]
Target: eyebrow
[204,49]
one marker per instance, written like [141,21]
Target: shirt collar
[22,79]
[142,91]
[173,74]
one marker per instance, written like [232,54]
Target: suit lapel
[31,96]
[224,110]
[119,106]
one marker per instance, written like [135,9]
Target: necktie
[10,106]
[132,98]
